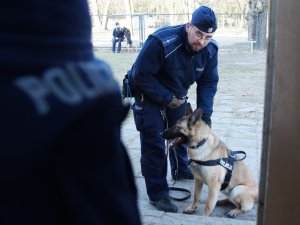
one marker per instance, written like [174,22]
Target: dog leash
[178,189]
[172,188]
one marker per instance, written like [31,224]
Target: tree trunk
[95,15]
[261,40]
[105,17]
[129,11]
[257,23]
[172,12]
[252,21]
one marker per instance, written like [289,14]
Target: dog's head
[188,129]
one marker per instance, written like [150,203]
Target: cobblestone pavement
[237,120]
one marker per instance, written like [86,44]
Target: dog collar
[199,144]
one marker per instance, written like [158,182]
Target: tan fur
[242,190]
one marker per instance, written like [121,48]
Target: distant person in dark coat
[62,161]
[127,34]
[118,37]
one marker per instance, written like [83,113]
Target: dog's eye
[183,130]
[177,127]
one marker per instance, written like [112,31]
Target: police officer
[61,156]
[171,60]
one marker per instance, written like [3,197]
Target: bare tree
[172,12]
[179,12]
[257,22]
[95,15]
[262,25]
[252,20]
[105,13]
[127,12]
[131,12]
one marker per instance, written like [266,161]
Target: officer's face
[197,39]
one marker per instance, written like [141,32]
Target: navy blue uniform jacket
[61,156]
[166,67]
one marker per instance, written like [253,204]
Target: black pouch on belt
[127,86]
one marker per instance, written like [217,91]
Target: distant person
[118,37]
[171,60]
[127,34]
[62,161]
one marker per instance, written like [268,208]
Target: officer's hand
[175,103]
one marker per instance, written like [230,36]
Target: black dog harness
[227,163]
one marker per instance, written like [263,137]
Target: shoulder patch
[170,38]
[166,41]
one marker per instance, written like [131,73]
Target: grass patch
[232,63]
[119,62]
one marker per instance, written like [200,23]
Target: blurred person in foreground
[171,60]
[61,157]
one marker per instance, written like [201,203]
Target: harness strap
[227,163]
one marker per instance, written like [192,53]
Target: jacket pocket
[138,115]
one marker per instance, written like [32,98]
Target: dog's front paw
[189,210]
[233,213]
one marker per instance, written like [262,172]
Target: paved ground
[237,120]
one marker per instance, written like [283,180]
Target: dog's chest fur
[210,150]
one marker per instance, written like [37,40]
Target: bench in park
[136,45]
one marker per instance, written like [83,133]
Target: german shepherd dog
[213,164]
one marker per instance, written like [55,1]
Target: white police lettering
[199,69]
[35,89]
[70,85]
[90,90]
[225,164]
[59,85]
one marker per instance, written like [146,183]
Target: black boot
[165,204]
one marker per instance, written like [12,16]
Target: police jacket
[166,67]
[62,161]
[61,158]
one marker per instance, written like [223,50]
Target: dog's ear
[195,117]
[188,109]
